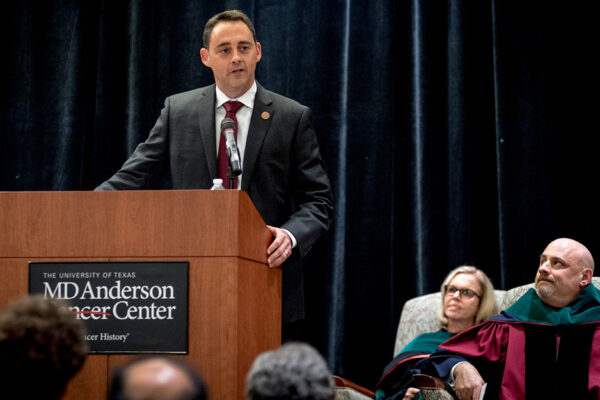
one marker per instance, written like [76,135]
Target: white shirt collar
[246,99]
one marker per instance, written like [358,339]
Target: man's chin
[544,289]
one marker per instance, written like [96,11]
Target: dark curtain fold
[457,132]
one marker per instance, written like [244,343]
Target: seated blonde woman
[467,299]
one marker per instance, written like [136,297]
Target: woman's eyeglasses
[468,293]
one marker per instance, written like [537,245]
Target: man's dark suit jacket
[283,172]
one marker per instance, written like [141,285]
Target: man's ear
[586,277]
[204,56]
[258,51]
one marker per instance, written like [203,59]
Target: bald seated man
[157,378]
[545,346]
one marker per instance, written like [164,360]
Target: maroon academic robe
[532,350]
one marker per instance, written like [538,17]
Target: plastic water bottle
[217,184]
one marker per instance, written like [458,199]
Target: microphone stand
[231,177]
[230,174]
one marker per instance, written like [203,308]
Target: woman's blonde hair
[488,306]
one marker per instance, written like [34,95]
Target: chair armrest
[345,383]
[428,381]
[432,388]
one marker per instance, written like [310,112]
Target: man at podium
[282,169]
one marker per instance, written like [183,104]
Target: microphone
[228,129]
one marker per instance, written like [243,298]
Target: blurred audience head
[157,378]
[42,346]
[295,371]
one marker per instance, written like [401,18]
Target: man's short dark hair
[118,379]
[42,346]
[295,371]
[229,16]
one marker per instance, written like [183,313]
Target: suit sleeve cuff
[292,238]
[451,378]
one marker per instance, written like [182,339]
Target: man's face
[560,276]
[232,55]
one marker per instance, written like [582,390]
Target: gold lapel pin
[265,115]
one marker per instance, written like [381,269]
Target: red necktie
[231,107]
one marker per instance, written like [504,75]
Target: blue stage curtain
[454,132]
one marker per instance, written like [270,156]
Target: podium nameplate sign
[128,307]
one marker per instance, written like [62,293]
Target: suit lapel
[206,113]
[262,114]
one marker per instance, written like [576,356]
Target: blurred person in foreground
[295,371]
[467,299]
[42,346]
[157,378]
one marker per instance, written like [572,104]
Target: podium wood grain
[234,298]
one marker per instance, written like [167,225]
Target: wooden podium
[234,298]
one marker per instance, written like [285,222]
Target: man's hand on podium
[280,249]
